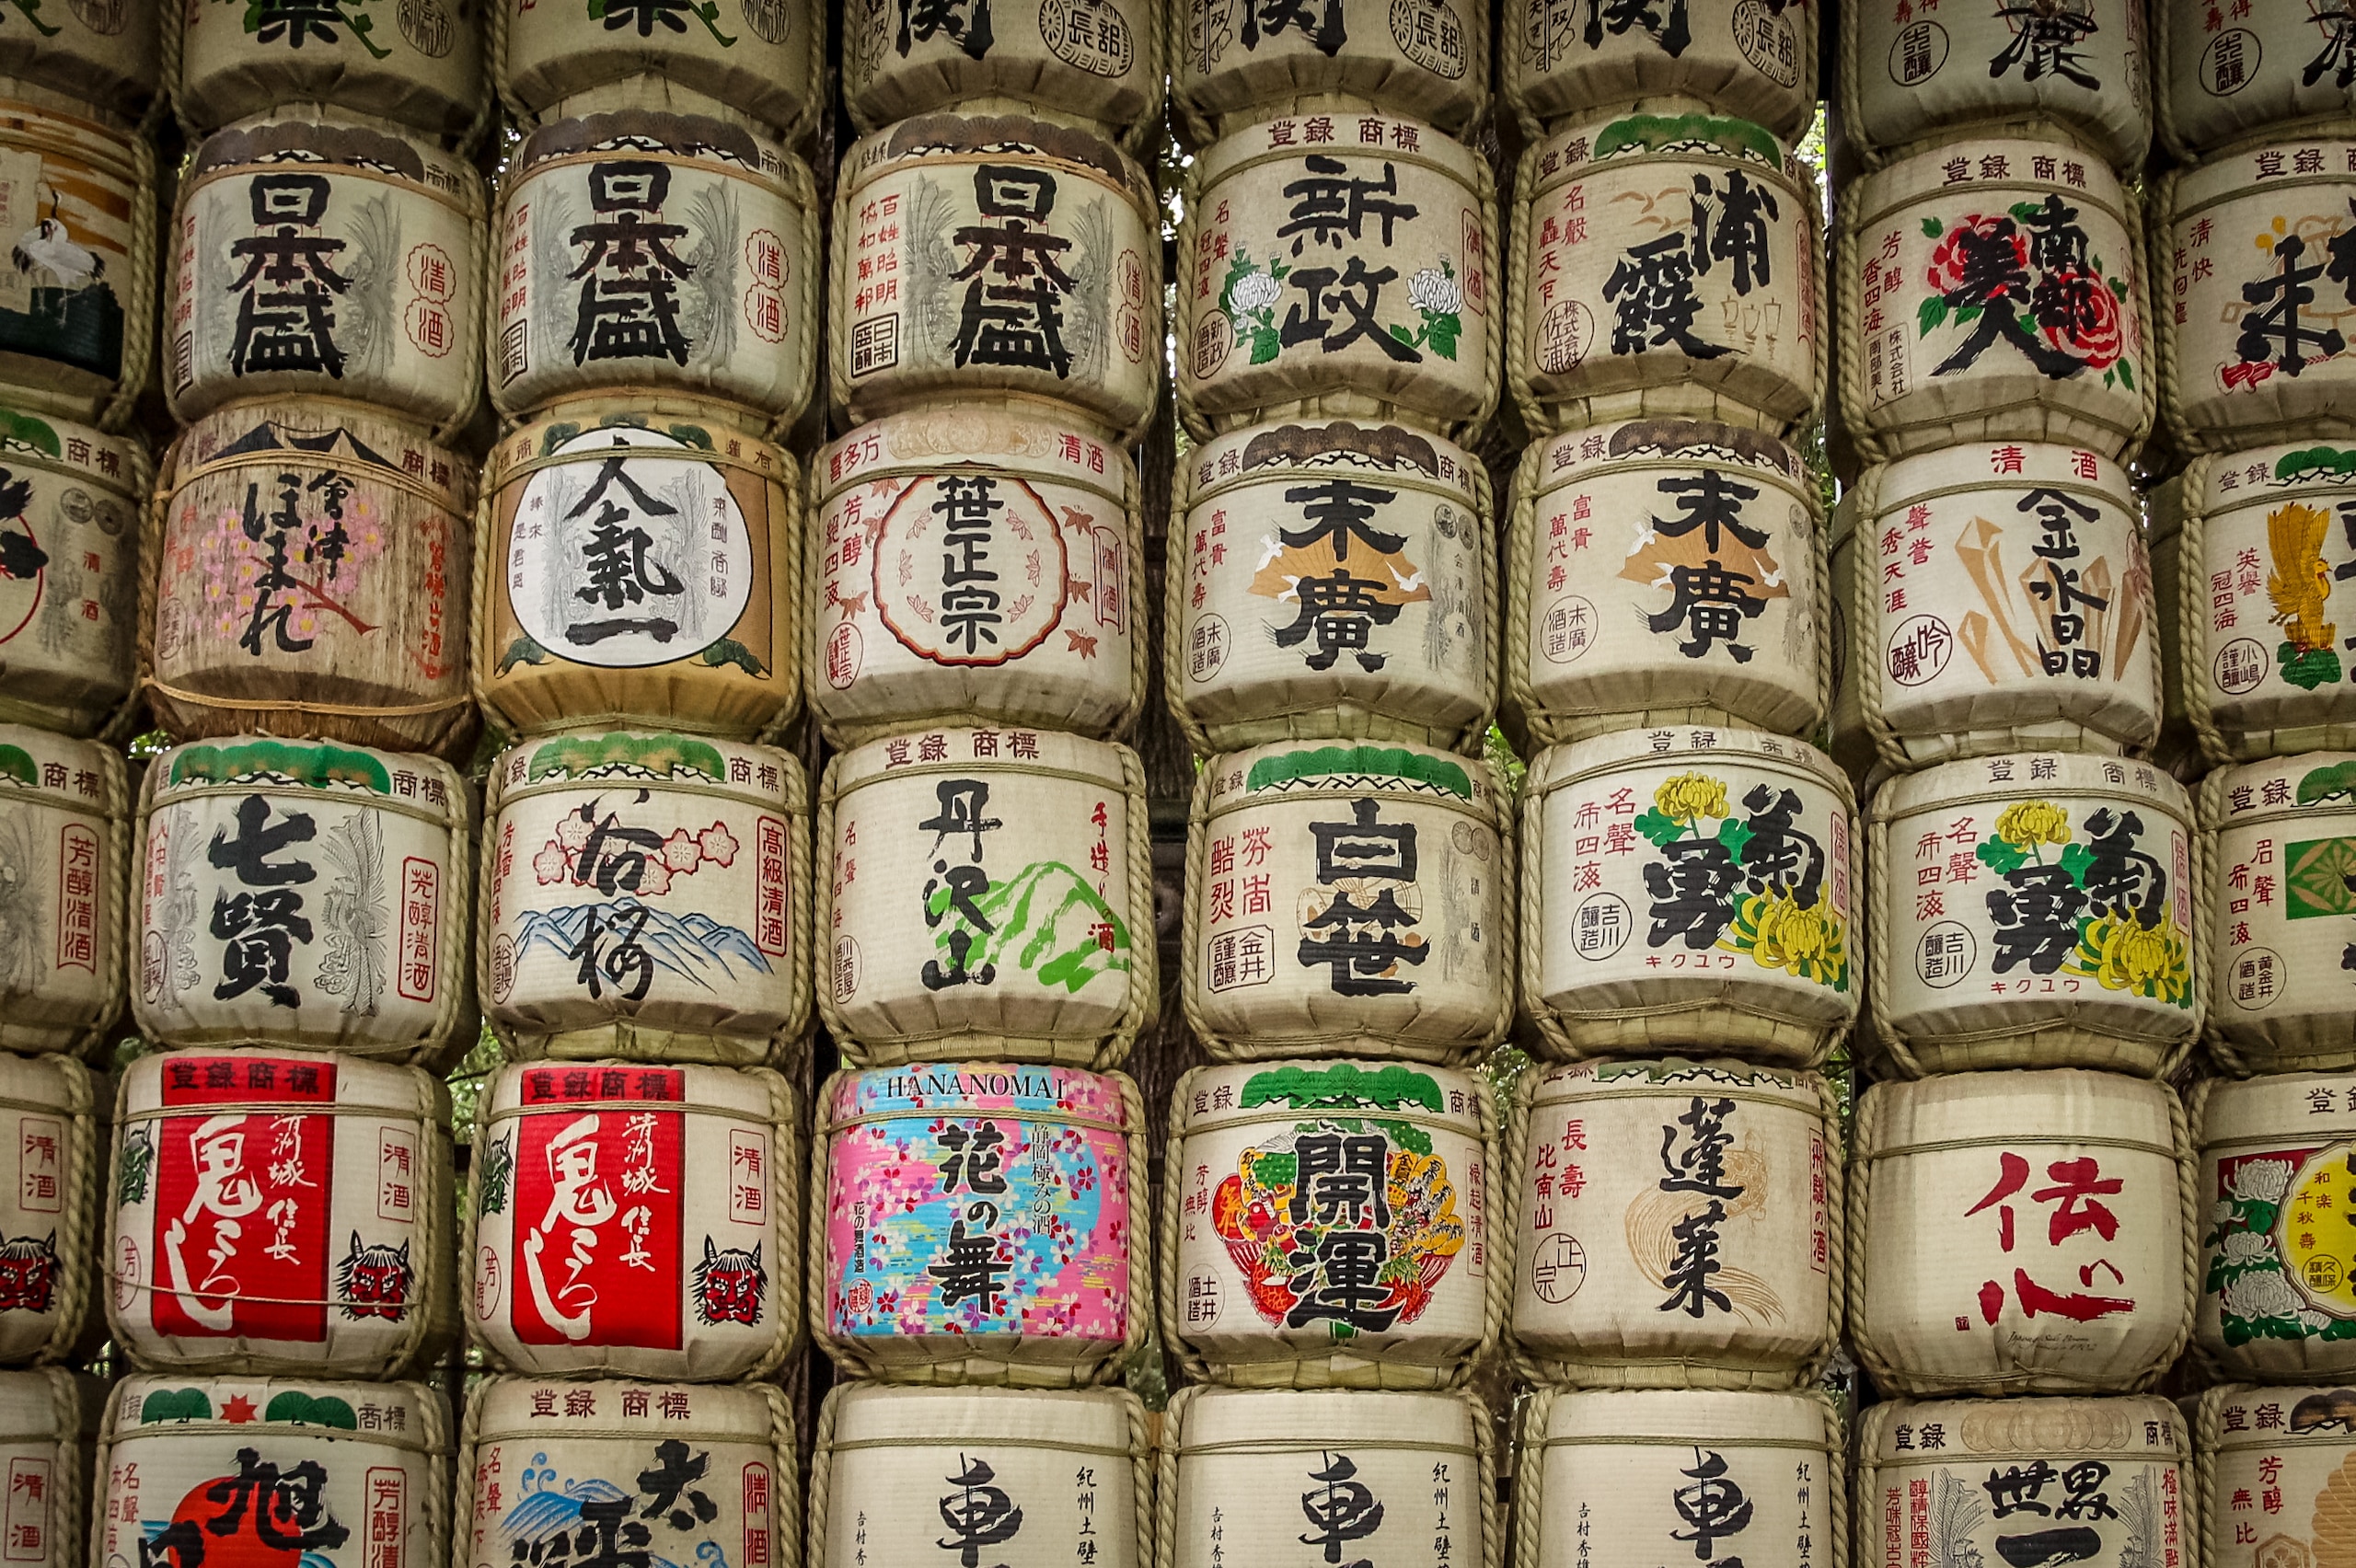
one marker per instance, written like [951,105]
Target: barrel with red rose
[69,554]
[765,59]
[2274,836]
[1558,58]
[52,1203]
[65,847]
[2223,72]
[1101,60]
[49,1430]
[1230,59]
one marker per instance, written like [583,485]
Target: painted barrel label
[68,605]
[2277,1283]
[415,60]
[1919,69]
[2228,70]
[1563,56]
[762,57]
[2281,905]
[1427,57]
[1087,57]
[52,1170]
[62,845]
[74,185]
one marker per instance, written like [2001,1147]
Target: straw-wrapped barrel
[65,858]
[1558,58]
[2221,73]
[102,51]
[1229,59]
[49,1432]
[2278,1282]
[53,1201]
[763,58]
[68,610]
[2276,1481]
[2280,941]
[424,71]
[1097,60]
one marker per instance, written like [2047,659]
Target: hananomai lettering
[598,1216]
[972,1085]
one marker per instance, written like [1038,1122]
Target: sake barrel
[1959,1183]
[1023,854]
[2273,834]
[1326,1225]
[1654,1472]
[68,612]
[1948,1480]
[1379,1477]
[102,51]
[762,58]
[309,576]
[346,1474]
[996,256]
[65,850]
[1912,74]
[973,562]
[1035,1475]
[2037,909]
[647,565]
[1717,1264]
[2274,1478]
[1099,60]
[1963,644]
[425,71]
[1560,58]
[1708,311]
[49,1428]
[1665,570]
[627,1220]
[1370,957]
[1737,849]
[2278,1285]
[658,252]
[275,873]
[2221,73]
[281,1211]
[77,319]
[1340,580]
[709,1474]
[1232,57]
[646,895]
[1992,291]
[1339,263]
[326,259]
[982,1222]
[50,1211]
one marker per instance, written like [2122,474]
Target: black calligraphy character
[2044,43]
[613,858]
[970,1268]
[962,801]
[1672,34]
[1355,291]
[1015,285]
[247,855]
[1328,203]
[1738,235]
[969,605]
[2271,331]
[618,965]
[644,15]
[1700,1166]
[260,931]
[1992,278]
[269,611]
[287,309]
[22,559]
[2058,515]
[327,548]
[1657,306]
[1339,1281]
[975,1159]
[1340,1179]
[607,1537]
[1710,601]
[2036,915]
[2121,879]
[289,1508]
[965,23]
[1362,942]
[1340,1509]
[956,890]
[669,1488]
[2338,54]
[1328,32]
[1343,609]
[978,1514]
[2016,1490]
[1687,1277]
[1691,890]
[630,275]
[1363,846]
[1713,1506]
[2087,1499]
[1340,511]
[615,559]
[1780,856]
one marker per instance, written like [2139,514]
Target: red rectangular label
[77,898]
[241,1222]
[421,927]
[564,1086]
[771,927]
[214,1080]
[597,1224]
[756,1516]
[387,1515]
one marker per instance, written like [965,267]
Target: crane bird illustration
[48,246]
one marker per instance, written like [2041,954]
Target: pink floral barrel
[979,1223]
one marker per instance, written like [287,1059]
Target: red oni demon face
[27,1272]
[729,1285]
[372,1281]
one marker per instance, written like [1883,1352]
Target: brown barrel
[65,850]
[2278,1281]
[281,1211]
[1667,261]
[646,895]
[2036,909]
[2275,1476]
[998,258]
[419,62]
[1340,580]
[2273,834]
[1998,598]
[49,1429]
[762,58]
[385,239]
[636,1221]
[647,571]
[657,252]
[1934,352]
[310,575]
[1666,571]
[1755,58]
[102,52]
[1232,59]
[2222,72]
[1097,60]
[2062,1197]
[1720,1264]
[978,563]
[1340,262]
[69,607]
[53,1201]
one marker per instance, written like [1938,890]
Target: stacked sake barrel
[1689,950]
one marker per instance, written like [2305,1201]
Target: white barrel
[1667,262]
[350,1475]
[646,895]
[628,1221]
[1032,1477]
[1666,571]
[326,258]
[1992,291]
[53,1201]
[1376,1477]
[995,257]
[762,58]
[2255,304]
[2275,1482]
[102,51]
[980,1223]
[1326,1225]
[2279,949]
[69,608]
[1099,60]
[281,1212]
[49,1430]
[1557,58]
[1962,640]
[1341,263]
[1022,854]
[1696,890]
[77,319]
[1917,73]
[1359,951]
[1230,57]
[2221,73]
[310,575]
[1339,580]
[700,1474]
[966,560]
[303,894]
[674,253]
[2097,1481]
[1707,1251]
[425,70]
[1641,1473]
[65,855]
[2020,1232]
[2037,910]
[2278,1283]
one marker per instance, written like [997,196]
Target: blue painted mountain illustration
[696,947]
